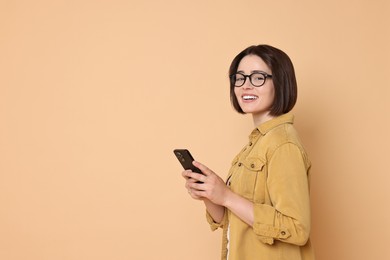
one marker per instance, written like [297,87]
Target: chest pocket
[247,178]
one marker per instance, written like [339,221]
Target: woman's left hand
[213,187]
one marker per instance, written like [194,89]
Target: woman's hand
[189,181]
[213,187]
[214,190]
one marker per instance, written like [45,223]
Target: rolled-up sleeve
[288,218]
[214,225]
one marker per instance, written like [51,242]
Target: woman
[264,206]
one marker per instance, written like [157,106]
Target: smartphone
[185,158]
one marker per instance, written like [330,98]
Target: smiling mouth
[249,97]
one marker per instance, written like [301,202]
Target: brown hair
[283,77]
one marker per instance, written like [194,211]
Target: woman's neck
[259,119]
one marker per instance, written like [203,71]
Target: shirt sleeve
[288,218]
[214,225]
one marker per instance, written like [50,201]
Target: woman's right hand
[216,211]
[207,185]
[189,182]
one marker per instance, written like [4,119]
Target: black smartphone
[185,158]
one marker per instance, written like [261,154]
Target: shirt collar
[270,124]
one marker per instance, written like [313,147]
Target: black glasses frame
[232,78]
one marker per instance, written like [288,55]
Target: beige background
[95,95]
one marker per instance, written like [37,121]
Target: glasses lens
[257,79]
[238,80]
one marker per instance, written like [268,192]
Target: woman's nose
[247,84]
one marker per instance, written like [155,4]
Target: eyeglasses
[257,79]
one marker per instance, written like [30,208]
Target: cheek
[269,93]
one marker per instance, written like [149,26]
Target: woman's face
[255,100]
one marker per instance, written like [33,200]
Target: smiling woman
[264,206]
[257,98]
[266,58]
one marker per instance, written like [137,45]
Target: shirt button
[283,233]
[239,164]
[252,165]
[250,143]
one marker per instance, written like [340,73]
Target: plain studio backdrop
[95,95]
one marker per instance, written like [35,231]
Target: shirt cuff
[214,225]
[263,226]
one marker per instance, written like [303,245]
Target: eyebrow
[253,71]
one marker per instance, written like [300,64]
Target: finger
[197,194]
[195,176]
[188,185]
[191,180]
[186,174]
[193,194]
[206,171]
[202,178]
[196,186]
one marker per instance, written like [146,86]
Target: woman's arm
[288,219]
[216,211]
[241,207]
[216,195]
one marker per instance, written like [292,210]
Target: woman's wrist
[228,199]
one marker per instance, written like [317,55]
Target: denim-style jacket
[273,172]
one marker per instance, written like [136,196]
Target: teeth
[248,97]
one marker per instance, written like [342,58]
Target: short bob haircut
[283,77]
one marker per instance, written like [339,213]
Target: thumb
[206,171]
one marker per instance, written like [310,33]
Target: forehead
[251,63]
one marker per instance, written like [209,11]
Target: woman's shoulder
[284,133]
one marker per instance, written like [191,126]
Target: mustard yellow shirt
[272,171]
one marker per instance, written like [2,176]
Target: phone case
[185,158]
